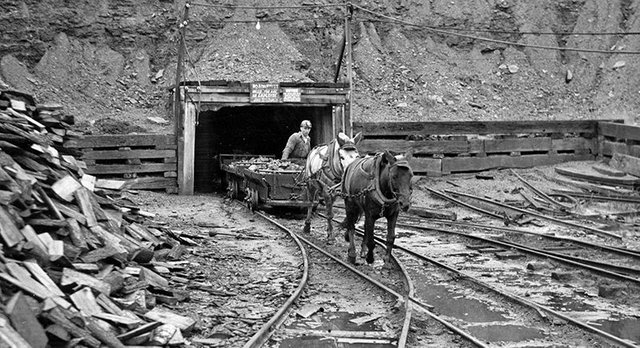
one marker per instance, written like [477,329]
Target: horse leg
[311,193]
[369,223]
[328,202]
[391,237]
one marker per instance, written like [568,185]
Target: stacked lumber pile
[78,265]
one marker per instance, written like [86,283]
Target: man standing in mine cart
[299,143]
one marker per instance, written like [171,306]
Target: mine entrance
[251,130]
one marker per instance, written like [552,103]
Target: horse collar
[379,196]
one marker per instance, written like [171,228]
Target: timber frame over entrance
[214,116]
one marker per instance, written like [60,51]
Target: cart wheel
[256,198]
[233,189]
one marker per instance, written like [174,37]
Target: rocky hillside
[110,62]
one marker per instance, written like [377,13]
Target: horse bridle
[400,163]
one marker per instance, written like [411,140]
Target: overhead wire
[445,32]
[518,32]
[266,7]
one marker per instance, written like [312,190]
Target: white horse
[323,173]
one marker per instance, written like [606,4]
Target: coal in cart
[263,181]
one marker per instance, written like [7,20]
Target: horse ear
[358,138]
[388,157]
[340,138]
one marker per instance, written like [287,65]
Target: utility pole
[349,46]
[177,108]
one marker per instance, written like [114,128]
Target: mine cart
[264,181]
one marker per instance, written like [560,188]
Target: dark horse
[376,186]
[323,172]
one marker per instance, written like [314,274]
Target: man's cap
[306,124]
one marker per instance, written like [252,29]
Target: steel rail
[541,193]
[426,308]
[558,221]
[537,307]
[529,250]
[260,337]
[402,339]
[612,198]
[612,249]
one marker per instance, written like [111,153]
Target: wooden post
[347,34]
[339,63]
[186,150]
[176,90]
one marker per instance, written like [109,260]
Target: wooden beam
[186,150]
[124,154]
[8,229]
[476,127]
[159,141]
[619,131]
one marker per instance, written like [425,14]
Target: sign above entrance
[291,95]
[264,92]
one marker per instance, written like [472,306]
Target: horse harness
[374,181]
[331,176]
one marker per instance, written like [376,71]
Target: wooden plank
[110,184]
[619,131]
[76,234]
[576,144]
[517,144]
[422,147]
[56,316]
[426,165]
[101,141]
[25,321]
[126,154]
[626,163]
[149,183]
[71,213]
[30,235]
[102,169]
[469,164]
[84,300]
[168,317]
[40,275]
[591,175]
[611,147]
[186,151]
[23,276]
[9,337]
[8,229]
[474,127]
[84,201]
[66,187]
[117,319]
[70,276]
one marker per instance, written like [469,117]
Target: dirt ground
[241,267]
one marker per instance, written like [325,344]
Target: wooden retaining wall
[145,161]
[453,147]
[619,138]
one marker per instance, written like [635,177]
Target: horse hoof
[352,260]
[307,228]
[387,266]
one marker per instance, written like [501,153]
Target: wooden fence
[453,147]
[149,161]
[144,161]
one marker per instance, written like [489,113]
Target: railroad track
[502,266]
[468,311]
